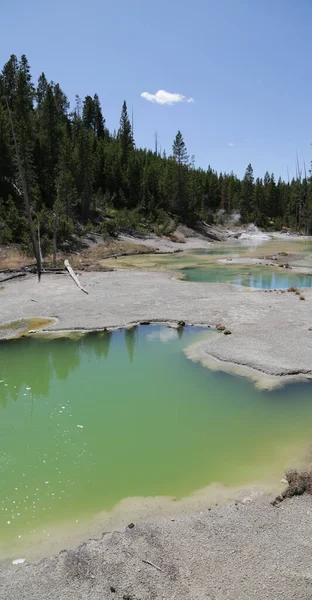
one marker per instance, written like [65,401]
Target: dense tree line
[79,174]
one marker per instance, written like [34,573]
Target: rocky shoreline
[240,550]
[271,333]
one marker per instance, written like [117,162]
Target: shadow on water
[65,357]
[97,344]
[33,362]
[21,361]
[29,364]
[130,340]
[180,331]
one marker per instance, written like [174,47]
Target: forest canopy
[83,175]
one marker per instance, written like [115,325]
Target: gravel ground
[238,551]
[270,330]
[166,246]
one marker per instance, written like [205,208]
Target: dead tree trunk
[75,278]
[39,246]
[26,197]
[54,237]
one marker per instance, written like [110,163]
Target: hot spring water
[86,423]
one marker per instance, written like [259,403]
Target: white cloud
[165,334]
[230,144]
[163,97]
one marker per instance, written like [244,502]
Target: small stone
[131,525]
[220,327]
[18,561]
[112,589]
[227,332]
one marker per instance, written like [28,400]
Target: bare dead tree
[299,193]
[54,236]
[26,196]
[39,245]
[156,142]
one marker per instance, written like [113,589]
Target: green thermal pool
[86,423]
[207,265]
[248,276]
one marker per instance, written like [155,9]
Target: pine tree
[99,121]
[92,116]
[23,116]
[270,197]
[65,182]
[88,114]
[84,168]
[124,135]
[9,79]
[7,175]
[179,150]
[181,158]
[258,216]
[41,89]
[247,195]
[50,138]
[61,102]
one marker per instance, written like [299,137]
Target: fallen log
[74,276]
[13,276]
[54,271]
[120,254]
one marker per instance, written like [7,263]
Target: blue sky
[246,64]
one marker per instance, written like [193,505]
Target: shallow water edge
[262,380]
[37,327]
[70,534]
